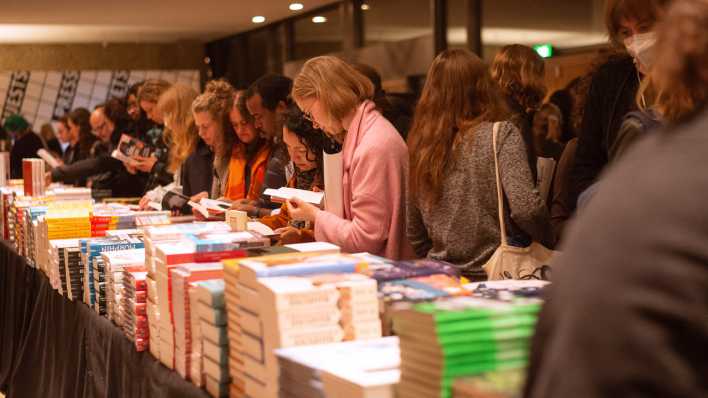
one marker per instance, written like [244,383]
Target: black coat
[611,96]
[24,148]
[197,171]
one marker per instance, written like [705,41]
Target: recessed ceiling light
[365,7]
[296,6]
[319,19]
[258,19]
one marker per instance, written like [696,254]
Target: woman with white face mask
[614,86]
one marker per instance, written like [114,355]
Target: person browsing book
[81,141]
[156,165]
[189,159]
[266,101]
[211,116]
[305,144]
[452,197]
[109,121]
[337,99]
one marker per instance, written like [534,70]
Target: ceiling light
[258,19]
[296,6]
[319,19]
[365,7]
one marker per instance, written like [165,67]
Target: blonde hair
[152,89]
[520,72]
[176,107]
[217,100]
[336,84]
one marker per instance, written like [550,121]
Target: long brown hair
[520,72]
[458,95]
[217,100]
[175,104]
[680,76]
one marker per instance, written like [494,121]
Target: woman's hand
[144,203]
[289,235]
[145,164]
[201,195]
[302,211]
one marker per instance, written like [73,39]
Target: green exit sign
[544,50]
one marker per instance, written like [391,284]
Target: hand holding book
[145,164]
[302,211]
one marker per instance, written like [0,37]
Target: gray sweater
[463,227]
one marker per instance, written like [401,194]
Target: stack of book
[65,193]
[68,219]
[461,336]
[33,174]
[208,304]
[7,196]
[133,303]
[182,277]
[202,247]
[31,232]
[367,368]
[277,311]
[65,262]
[155,235]
[500,384]
[114,263]
[94,282]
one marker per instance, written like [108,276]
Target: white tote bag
[510,262]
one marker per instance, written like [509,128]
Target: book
[33,175]
[499,384]
[129,149]
[368,368]
[455,337]
[284,194]
[47,157]
[207,207]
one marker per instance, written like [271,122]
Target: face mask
[641,48]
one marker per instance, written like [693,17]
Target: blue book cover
[334,266]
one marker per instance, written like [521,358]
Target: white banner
[43,96]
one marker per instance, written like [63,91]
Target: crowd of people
[420,186]
[430,182]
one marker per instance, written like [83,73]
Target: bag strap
[500,189]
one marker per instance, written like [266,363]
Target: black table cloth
[53,347]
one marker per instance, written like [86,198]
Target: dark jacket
[561,206]
[196,173]
[105,172]
[159,175]
[53,145]
[611,96]
[25,147]
[627,312]
[275,174]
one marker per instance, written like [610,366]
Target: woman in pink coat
[336,98]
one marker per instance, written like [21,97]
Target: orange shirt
[236,182]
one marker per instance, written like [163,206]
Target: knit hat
[15,123]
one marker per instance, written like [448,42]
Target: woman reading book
[305,144]
[337,99]
[81,140]
[240,153]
